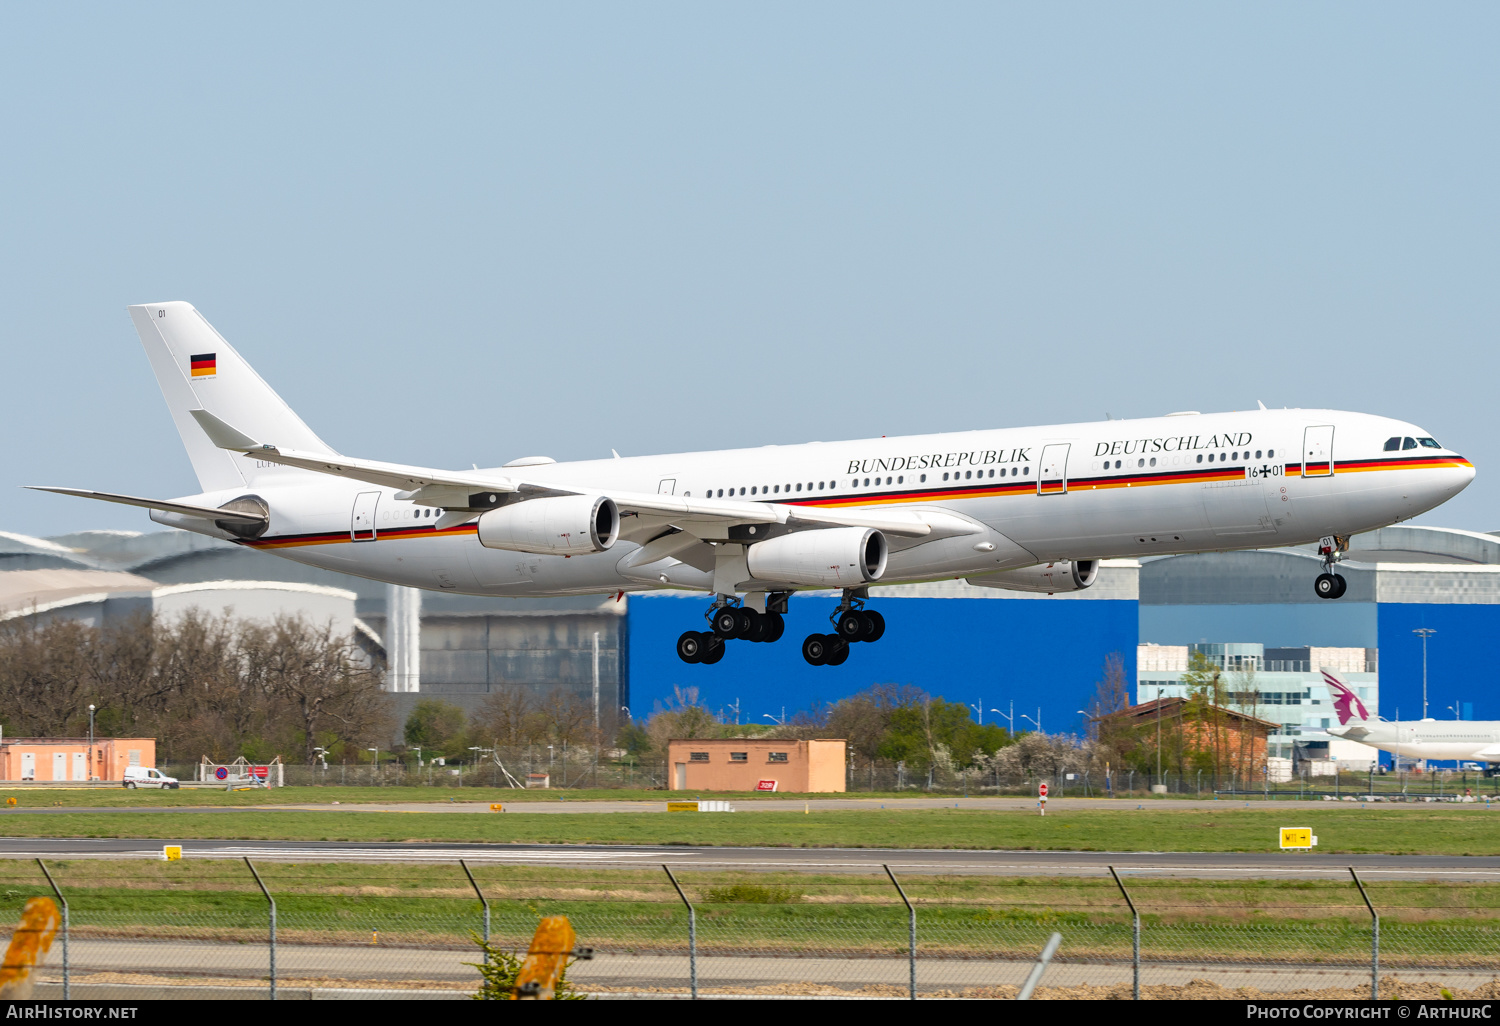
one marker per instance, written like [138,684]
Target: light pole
[781,722]
[979,709]
[1425,632]
[374,765]
[1086,717]
[418,750]
[1037,721]
[1010,717]
[91,742]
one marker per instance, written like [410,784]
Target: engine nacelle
[838,557]
[571,525]
[1063,575]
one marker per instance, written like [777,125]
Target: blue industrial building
[985,647]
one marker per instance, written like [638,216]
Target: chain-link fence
[204,928]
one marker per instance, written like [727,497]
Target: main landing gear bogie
[729,623]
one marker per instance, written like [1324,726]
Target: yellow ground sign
[171,852]
[1297,837]
[682,806]
[496,807]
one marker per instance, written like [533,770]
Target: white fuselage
[1476,740]
[1184,483]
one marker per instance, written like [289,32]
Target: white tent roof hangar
[241,773]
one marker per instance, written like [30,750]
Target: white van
[144,776]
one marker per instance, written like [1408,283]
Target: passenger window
[1200,457]
[924,479]
[1429,443]
[1408,443]
[799,486]
[1027,471]
[902,479]
[887,480]
[778,489]
[1153,461]
[752,489]
[1257,454]
[968,474]
[1270,453]
[1210,457]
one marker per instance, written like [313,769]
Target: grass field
[433,906]
[1465,830]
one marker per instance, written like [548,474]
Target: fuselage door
[1053,476]
[362,520]
[1317,451]
[667,486]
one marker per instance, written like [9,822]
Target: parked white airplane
[1029,509]
[1476,740]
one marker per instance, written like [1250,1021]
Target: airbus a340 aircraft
[1029,509]
[1477,740]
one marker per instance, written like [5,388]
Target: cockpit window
[1392,444]
[1409,443]
[1429,443]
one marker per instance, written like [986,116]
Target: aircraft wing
[654,513]
[186,509]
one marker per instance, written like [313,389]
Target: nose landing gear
[1330,585]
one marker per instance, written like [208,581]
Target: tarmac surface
[752,805]
[1212,865]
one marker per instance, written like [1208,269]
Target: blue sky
[461,234]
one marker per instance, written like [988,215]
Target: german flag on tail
[204,365]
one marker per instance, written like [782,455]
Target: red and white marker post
[1041,797]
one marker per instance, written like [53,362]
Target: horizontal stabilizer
[221,434]
[186,509]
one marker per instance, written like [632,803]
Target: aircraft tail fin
[198,370]
[1346,703]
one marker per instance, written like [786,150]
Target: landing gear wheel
[713,651]
[1327,586]
[727,623]
[759,626]
[815,649]
[692,645]
[838,651]
[775,627]
[876,629]
[1343,586]
[852,625]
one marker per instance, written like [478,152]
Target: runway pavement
[753,805]
[1212,865]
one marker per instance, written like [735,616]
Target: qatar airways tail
[1021,508]
[1467,740]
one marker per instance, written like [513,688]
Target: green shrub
[500,968]
[756,894]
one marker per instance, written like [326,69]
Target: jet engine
[1063,575]
[571,525]
[838,557]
